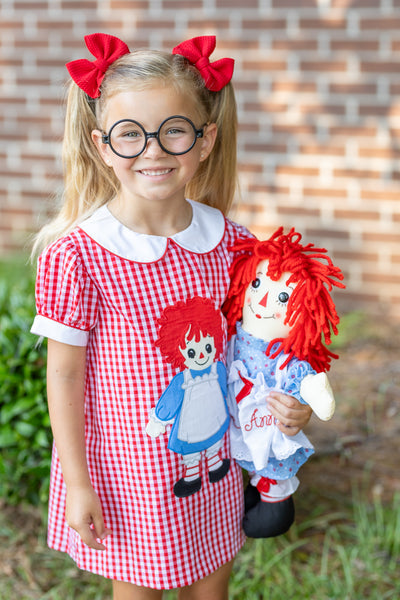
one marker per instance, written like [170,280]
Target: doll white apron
[203,407]
[254,435]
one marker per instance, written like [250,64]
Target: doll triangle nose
[201,355]
[263,301]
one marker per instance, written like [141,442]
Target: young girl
[144,131]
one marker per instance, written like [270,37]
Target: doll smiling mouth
[258,316]
[201,364]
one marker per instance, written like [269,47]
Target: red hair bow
[197,50]
[87,74]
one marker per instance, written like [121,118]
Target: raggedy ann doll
[279,313]
[191,337]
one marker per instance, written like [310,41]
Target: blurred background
[318,91]
[317,85]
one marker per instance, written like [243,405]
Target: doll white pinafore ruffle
[256,442]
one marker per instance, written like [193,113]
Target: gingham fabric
[104,286]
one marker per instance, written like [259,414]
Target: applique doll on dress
[191,336]
[279,313]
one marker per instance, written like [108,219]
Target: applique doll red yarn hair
[193,318]
[311,313]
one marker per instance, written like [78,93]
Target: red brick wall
[318,86]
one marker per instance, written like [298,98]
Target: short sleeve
[66,297]
[297,370]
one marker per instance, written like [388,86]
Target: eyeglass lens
[175,136]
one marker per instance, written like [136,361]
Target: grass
[348,555]
[340,556]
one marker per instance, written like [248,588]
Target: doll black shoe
[183,488]
[269,519]
[219,473]
[251,497]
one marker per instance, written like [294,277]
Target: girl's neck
[156,221]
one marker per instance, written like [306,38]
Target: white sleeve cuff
[59,332]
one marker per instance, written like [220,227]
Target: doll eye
[256,283]
[283,297]
[191,353]
[208,348]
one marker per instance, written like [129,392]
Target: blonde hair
[89,183]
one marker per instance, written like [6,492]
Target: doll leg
[251,497]
[217,467]
[273,514]
[191,480]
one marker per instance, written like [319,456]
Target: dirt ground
[359,447]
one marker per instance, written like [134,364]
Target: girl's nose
[153,148]
[263,301]
[201,355]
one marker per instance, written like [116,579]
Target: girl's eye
[283,297]
[175,131]
[191,353]
[132,134]
[208,348]
[256,283]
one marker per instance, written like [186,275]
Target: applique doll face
[266,303]
[198,354]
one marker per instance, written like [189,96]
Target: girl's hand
[84,514]
[291,414]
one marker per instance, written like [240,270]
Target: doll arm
[155,427]
[65,390]
[317,392]
[166,408]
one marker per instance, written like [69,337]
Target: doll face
[265,305]
[199,355]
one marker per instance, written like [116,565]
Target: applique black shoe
[269,519]
[219,473]
[183,488]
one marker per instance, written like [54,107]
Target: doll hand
[155,428]
[317,392]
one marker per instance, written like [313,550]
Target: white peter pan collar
[203,234]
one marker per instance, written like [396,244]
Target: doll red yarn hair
[188,319]
[311,313]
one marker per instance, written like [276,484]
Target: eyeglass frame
[199,133]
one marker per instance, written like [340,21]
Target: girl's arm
[65,390]
[291,414]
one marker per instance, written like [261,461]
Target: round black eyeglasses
[176,135]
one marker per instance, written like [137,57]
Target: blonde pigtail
[215,182]
[88,182]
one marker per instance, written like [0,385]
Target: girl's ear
[208,140]
[103,149]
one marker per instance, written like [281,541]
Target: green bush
[25,436]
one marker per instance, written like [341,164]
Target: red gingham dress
[103,286]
